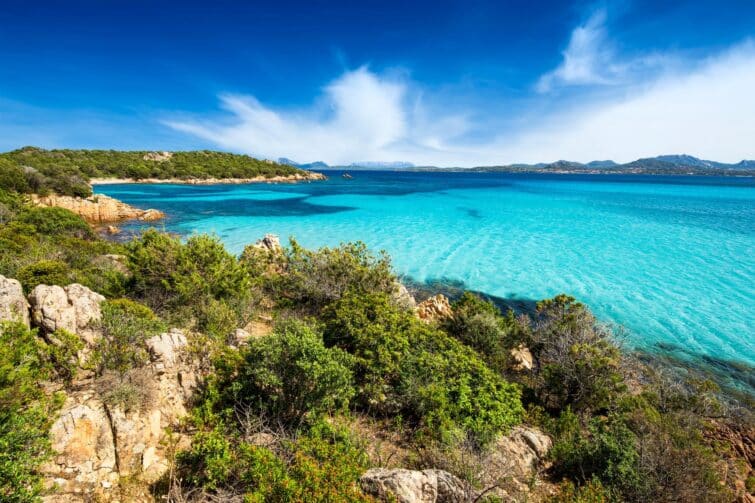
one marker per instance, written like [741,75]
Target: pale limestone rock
[83,441]
[13,304]
[435,308]
[165,348]
[158,156]
[522,358]
[240,336]
[403,298]
[270,242]
[412,486]
[74,308]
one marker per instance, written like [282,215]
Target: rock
[522,358]
[403,297]
[165,348]
[97,209]
[85,449]
[240,336]
[74,308]
[13,304]
[412,486]
[113,230]
[158,156]
[516,457]
[269,242]
[98,442]
[435,308]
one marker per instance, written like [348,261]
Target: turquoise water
[670,259]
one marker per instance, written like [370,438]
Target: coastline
[309,176]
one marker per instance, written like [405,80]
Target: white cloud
[360,116]
[705,110]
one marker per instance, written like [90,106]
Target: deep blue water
[670,259]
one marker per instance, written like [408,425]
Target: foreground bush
[320,464]
[406,367]
[314,279]
[26,413]
[290,375]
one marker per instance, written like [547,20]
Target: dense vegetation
[344,348]
[67,172]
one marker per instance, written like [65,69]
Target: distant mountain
[663,164]
[310,165]
[601,164]
[381,165]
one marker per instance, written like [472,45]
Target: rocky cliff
[98,209]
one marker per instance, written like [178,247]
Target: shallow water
[671,259]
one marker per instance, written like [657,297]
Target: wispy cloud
[591,58]
[361,115]
[704,108]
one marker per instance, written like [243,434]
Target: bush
[55,221]
[26,412]
[322,464]
[290,375]
[479,324]
[125,326]
[376,333]
[579,363]
[64,353]
[452,393]
[44,272]
[314,279]
[404,366]
[167,273]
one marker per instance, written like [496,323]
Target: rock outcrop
[412,486]
[403,297]
[13,304]
[270,243]
[516,458]
[522,358]
[99,441]
[435,308]
[98,209]
[158,156]
[74,308]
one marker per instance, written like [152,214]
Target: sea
[668,261]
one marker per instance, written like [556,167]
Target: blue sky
[446,83]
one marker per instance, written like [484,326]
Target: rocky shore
[309,176]
[98,209]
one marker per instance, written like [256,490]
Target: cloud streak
[705,110]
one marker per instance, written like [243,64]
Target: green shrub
[64,353]
[479,324]
[167,273]
[314,279]
[376,333]
[125,326]
[290,375]
[404,366]
[55,221]
[452,392]
[580,363]
[26,412]
[44,272]
[321,464]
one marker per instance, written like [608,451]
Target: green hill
[32,169]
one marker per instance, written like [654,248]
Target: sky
[445,83]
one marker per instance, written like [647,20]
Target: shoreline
[308,177]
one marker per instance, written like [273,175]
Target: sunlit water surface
[671,259]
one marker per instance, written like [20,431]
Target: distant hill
[309,165]
[67,172]
[662,164]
